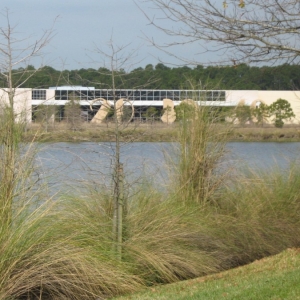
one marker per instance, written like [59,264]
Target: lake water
[69,165]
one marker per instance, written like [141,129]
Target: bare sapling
[15,112]
[123,114]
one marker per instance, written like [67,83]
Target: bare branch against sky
[250,31]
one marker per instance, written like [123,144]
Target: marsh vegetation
[206,222]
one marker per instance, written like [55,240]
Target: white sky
[83,24]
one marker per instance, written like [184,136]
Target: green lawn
[276,277]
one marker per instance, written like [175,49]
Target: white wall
[22,103]
[268,97]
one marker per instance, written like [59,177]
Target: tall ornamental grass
[157,243]
[202,141]
[260,214]
[41,259]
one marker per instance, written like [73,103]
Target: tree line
[235,77]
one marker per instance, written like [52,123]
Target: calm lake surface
[68,165]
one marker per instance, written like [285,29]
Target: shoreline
[153,133]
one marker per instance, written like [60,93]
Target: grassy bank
[156,132]
[275,277]
[266,134]
[65,247]
[207,220]
[60,132]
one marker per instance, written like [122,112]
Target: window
[156,95]
[61,95]
[91,95]
[83,95]
[143,95]
[137,95]
[38,95]
[122,94]
[150,96]
[217,96]
[170,95]
[98,94]
[176,95]
[222,96]
[163,95]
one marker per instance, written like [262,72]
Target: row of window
[133,95]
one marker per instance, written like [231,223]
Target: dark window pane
[38,95]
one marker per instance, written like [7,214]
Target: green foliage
[151,112]
[168,111]
[43,112]
[243,114]
[240,77]
[281,110]
[126,113]
[222,113]
[110,112]
[45,115]
[261,113]
[279,123]
[185,111]
[72,112]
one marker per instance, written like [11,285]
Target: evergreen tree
[281,110]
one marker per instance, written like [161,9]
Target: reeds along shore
[154,132]
[207,222]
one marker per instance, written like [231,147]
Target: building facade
[91,100]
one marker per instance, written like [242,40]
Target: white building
[26,100]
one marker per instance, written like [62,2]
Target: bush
[282,110]
[279,123]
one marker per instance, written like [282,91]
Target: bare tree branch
[246,30]
[18,52]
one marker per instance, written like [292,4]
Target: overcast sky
[81,26]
